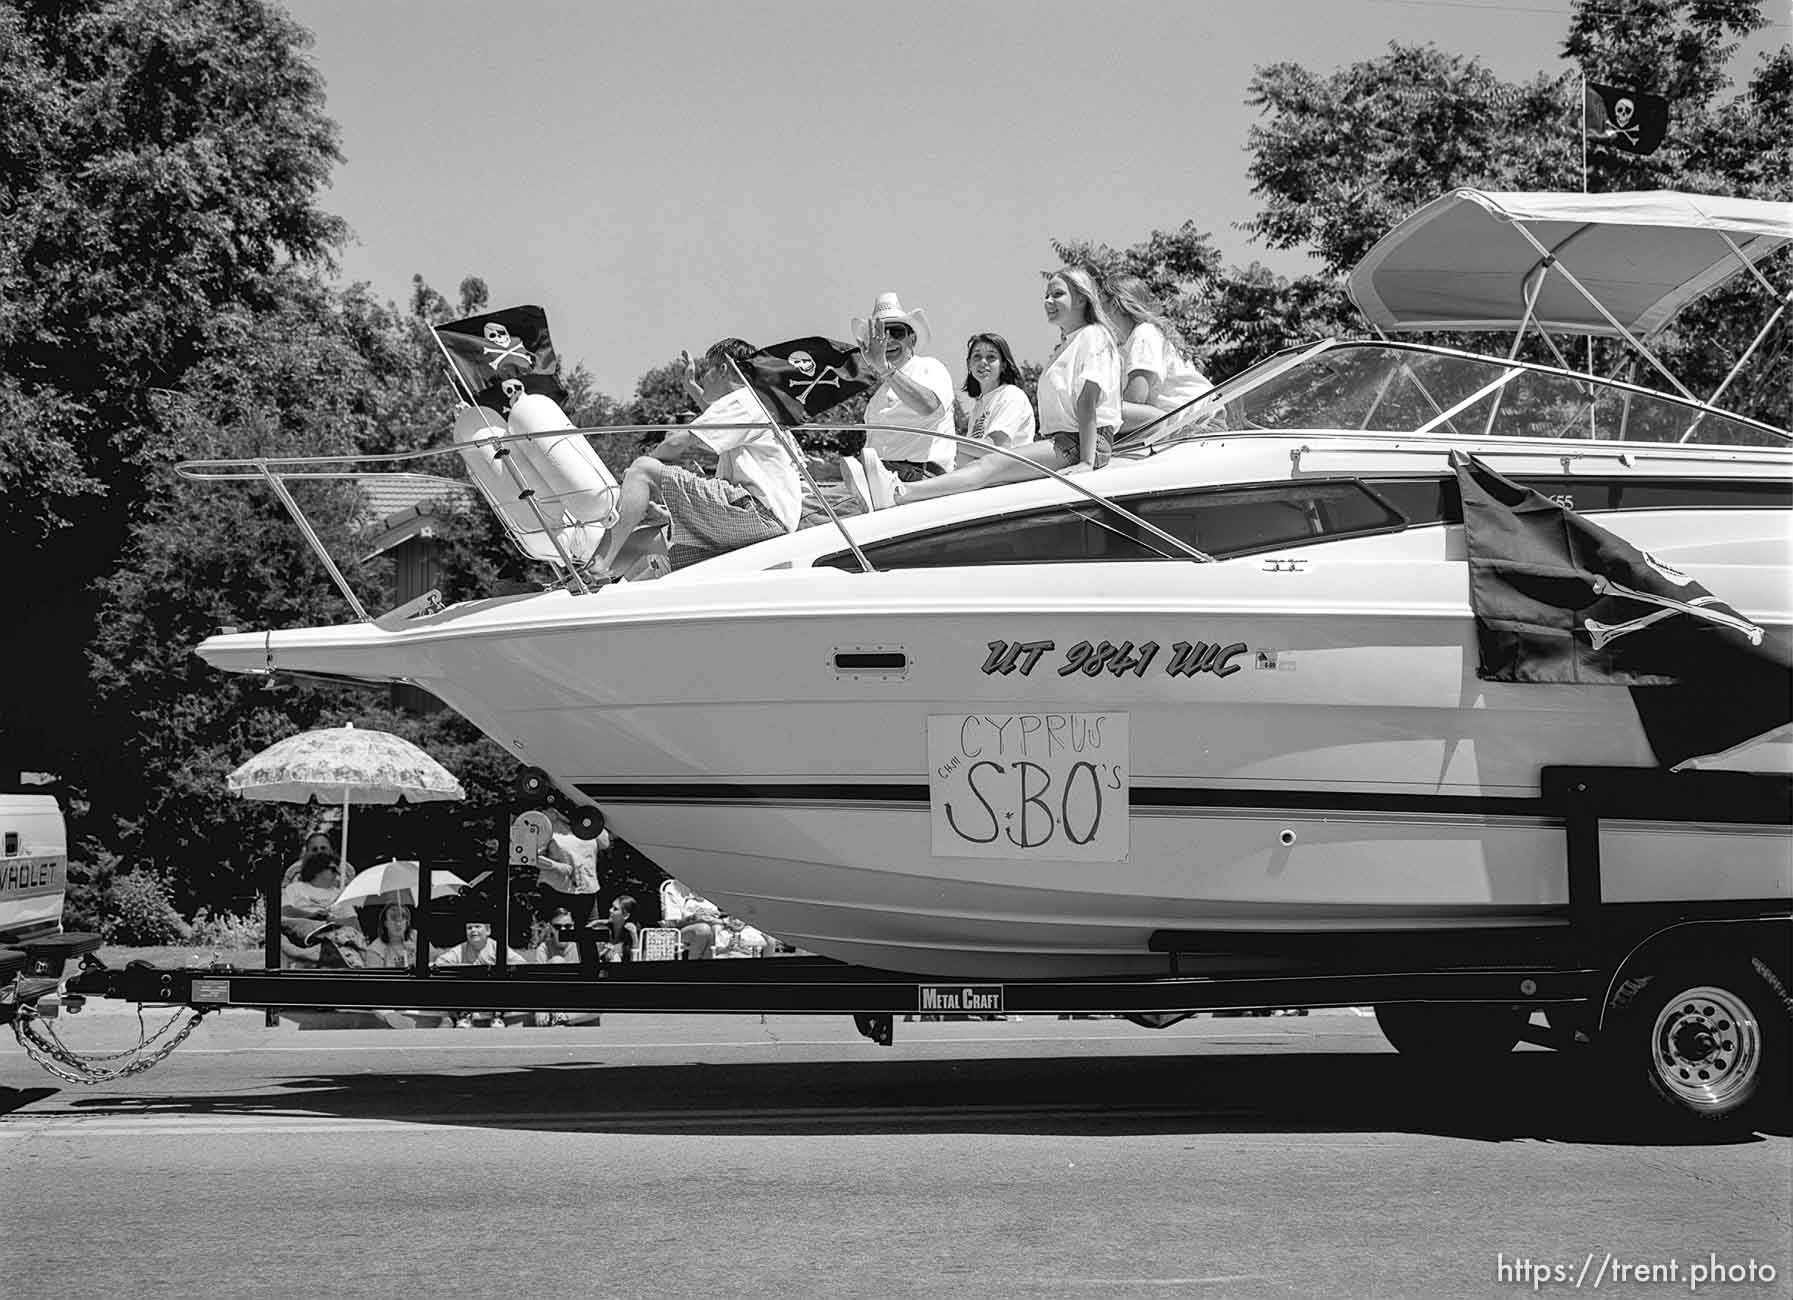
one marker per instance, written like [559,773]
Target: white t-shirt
[1002,416]
[1174,380]
[752,457]
[887,408]
[1085,357]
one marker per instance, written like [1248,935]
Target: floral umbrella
[345,765]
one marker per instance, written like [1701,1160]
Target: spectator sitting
[317,841]
[477,950]
[395,947]
[320,931]
[620,932]
[555,943]
[755,494]
[697,919]
[704,931]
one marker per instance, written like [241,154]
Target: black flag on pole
[1559,599]
[499,346]
[804,379]
[1625,119]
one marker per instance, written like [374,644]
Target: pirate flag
[1625,119]
[510,345]
[805,378]
[1558,599]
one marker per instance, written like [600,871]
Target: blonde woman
[1159,378]
[1079,399]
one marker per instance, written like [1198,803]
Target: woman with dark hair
[1080,406]
[319,928]
[1001,414]
[396,944]
[619,932]
[1158,378]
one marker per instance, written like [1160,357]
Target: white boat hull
[1352,773]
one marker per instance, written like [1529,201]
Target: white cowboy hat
[886,309]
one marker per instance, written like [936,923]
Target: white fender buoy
[575,490]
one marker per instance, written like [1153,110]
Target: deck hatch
[871,661]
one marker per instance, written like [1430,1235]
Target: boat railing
[278,472]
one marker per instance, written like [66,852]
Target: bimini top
[1463,262]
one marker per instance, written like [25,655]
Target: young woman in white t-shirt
[1158,377]
[1001,415]
[1079,405]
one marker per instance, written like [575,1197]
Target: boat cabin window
[1433,500]
[1222,522]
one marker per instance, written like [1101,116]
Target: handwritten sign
[1030,785]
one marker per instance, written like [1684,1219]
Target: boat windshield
[1410,388]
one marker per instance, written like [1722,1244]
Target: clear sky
[660,173]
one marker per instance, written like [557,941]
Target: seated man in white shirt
[916,392]
[755,495]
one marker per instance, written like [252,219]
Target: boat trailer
[1688,998]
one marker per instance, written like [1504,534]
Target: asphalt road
[726,1156]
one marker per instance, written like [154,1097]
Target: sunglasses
[895,330]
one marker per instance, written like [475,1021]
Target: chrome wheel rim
[1706,1048]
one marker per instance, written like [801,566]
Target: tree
[1338,159]
[161,166]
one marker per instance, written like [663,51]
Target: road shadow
[1527,1096]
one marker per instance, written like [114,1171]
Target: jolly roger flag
[1625,119]
[804,379]
[1559,599]
[512,344]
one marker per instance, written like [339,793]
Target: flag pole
[1584,132]
[454,373]
[1584,190]
[791,449]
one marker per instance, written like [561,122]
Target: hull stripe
[835,792]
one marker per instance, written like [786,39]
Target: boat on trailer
[1227,686]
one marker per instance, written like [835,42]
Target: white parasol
[346,765]
[396,882]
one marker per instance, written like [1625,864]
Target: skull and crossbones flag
[804,379]
[498,346]
[1560,599]
[1625,119]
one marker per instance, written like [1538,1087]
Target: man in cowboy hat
[917,392]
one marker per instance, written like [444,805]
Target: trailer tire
[1707,1040]
[1449,1033]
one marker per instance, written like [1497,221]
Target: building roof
[399,507]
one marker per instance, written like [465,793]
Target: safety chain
[48,1050]
[1773,981]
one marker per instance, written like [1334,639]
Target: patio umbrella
[396,882]
[346,765]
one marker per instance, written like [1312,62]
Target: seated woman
[1079,398]
[619,932]
[311,920]
[1001,415]
[1158,379]
[396,944]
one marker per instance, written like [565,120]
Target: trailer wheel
[1710,1040]
[1446,1033]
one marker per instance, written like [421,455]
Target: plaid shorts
[711,516]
